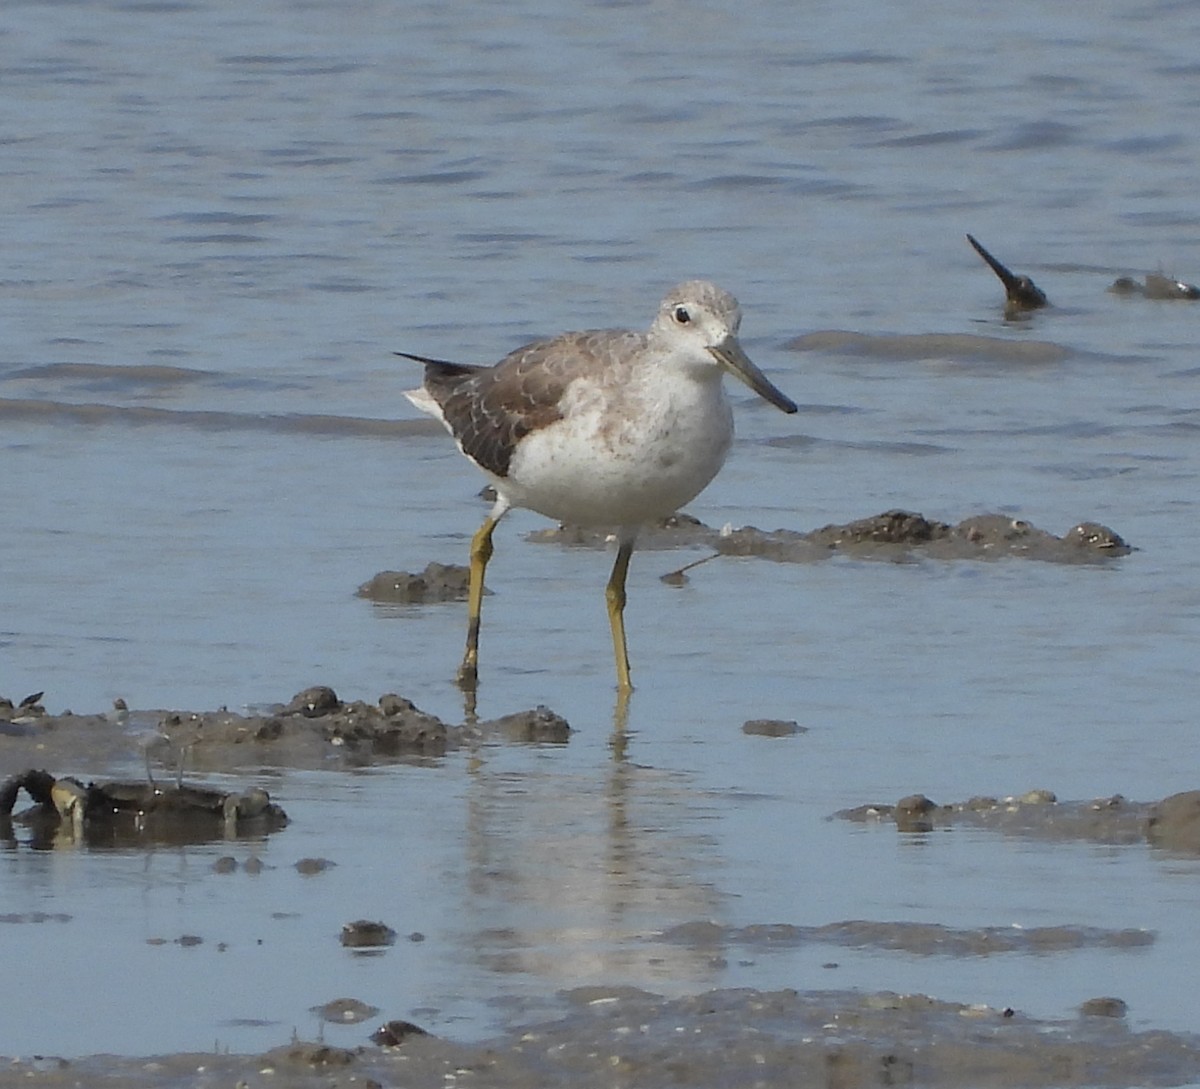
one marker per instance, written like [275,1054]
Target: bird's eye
[682,316]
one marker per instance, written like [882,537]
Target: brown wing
[489,410]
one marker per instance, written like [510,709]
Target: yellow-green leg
[614,595]
[481,552]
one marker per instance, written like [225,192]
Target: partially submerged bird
[1157,286]
[1021,294]
[605,427]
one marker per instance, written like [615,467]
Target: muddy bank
[132,813]
[315,729]
[895,535]
[438,582]
[628,1037]
[1172,823]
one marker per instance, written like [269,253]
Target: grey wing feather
[490,410]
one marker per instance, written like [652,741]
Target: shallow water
[220,222]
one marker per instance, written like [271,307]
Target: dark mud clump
[1172,824]
[122,813]
[539,726]
[345,1011]
[899,535]
[315,729]
[895,535]
[302,1058]
[365,934]
[310,867]
[892,527]
[394,1033]
[772,727]
[768,1039]
[1104,1006]
[315,724]
[438,582]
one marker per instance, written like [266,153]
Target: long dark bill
[730,355]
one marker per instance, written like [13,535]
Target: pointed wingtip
[419,358]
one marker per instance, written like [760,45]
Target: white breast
[628,455]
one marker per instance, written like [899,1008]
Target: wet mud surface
[895,535]
[438,582]
[315,729]
[133,814]
[1171,824]
[627,1037]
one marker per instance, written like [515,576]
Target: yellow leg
[614,595]
[481,552]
